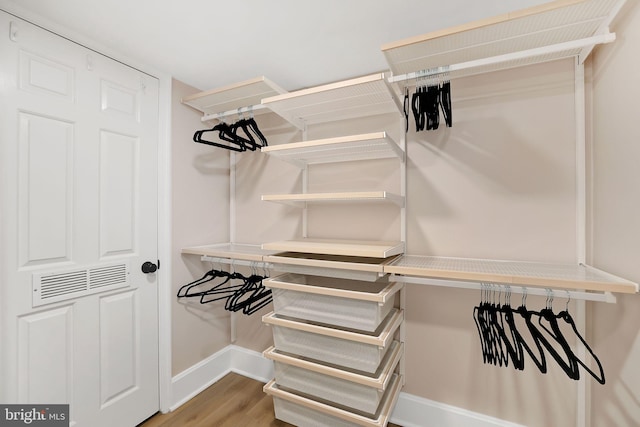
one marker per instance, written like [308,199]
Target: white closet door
[78,158]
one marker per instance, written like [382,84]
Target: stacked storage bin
[336,352]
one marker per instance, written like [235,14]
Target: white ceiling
[295,43]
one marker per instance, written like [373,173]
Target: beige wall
[200,215]
[500,184]
[615,218]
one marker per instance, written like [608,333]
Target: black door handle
[149,267]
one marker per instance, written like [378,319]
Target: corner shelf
[553,276]
[227,100]
[376,145]
[301,200]
[551,31]
[349,99]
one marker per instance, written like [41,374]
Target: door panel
[46,186]
[45,356]
[119,169]
[42,76]
[119,355]
[118,99]
[79,158]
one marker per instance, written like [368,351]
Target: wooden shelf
[301,200]
[359,97]
[230,251]
[377,145]
[227,99]
[353,248]
[555,30]
[520,273]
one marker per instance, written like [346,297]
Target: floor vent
[63,285]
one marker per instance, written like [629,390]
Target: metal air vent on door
[57,286]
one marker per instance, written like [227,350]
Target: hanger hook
[549,299]
[568,300]
[524,297]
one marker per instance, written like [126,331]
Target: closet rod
[513,56]
[237,262]
[556,293]
[219,116]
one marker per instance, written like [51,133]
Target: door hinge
[13,31]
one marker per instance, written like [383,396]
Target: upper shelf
[377,145]
[520,273]
[555,30]
[227,100]
[348,99]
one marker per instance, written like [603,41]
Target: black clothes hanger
[207,277]
[415,109]
[220,291]
[502,341]
[225,134]
[426,103]
[405,107]
[253,126]
[445,102]
[432,100]
[234,141]
[566,365]
[248,296]
[559,336]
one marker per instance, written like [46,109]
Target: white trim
[251,364]
[164,182]
[195,379]
[165,295]
[188,383]
[414,411]
[410,411]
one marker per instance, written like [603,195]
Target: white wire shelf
[541,275]
[229,251]
[301,200]
[348,99]
[243,97]
[376,145]
[551,31]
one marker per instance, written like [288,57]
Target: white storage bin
[351,304]
[362,392]
[356,350]
[305,412]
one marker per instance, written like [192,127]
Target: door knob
[149,267]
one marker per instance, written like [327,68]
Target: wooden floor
[231,402]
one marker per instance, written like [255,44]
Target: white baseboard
[410,411]
[195,379]
[188,383]
[414,411]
